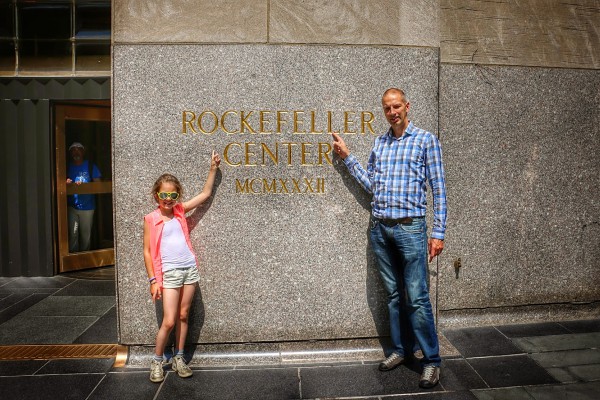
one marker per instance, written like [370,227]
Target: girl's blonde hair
[166,178]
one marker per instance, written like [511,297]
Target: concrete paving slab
[577,391]
[276,384]
[18,303]
[525,330]
[102,331]
[125,386]
[70,306]
[516,393]
[56,282]
[44,330]
[76,366]
[478,342]
[582,326]
[586,373]
[49,387]
[359,380]
[21,367]
[539,344]
[562,375]
[514,370]
[567,358]
[462,395]
[88,288]
[457,374]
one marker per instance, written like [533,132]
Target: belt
[394,222]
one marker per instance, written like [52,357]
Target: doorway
[83,181]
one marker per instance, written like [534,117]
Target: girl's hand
[215,160]
[155,292]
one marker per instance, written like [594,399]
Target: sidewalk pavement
[552,360]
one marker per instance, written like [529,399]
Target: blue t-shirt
[81,173]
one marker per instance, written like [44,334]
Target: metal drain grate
[49,352]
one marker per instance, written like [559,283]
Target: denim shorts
[176,278]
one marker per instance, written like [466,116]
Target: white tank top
[174,251]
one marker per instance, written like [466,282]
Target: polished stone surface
[182,21]
[526,32]
[379,22]
[522,153]
[274,267]
[396,22]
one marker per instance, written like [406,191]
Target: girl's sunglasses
[168,195]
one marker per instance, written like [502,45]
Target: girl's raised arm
[200,198]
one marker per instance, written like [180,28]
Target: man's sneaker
[430,377]
[181,367]
[156,371]
[391,362]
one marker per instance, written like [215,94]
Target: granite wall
[283,242]
[517,88]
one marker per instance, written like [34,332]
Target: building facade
[510,88]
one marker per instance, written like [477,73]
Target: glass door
[82,135]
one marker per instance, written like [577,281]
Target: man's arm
[437,181]
[356,170]
[96,175]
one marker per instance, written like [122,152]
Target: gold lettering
[348,120]
[280,186]
[189,122]
[223,122]
[276,121]
[239,188]
[326,153]
[308,183]
[280,120]
[215,120]
[252,185]
[320,185]
[283,188]
[244,122]
[274,157]
[296,183]
[329,118]
[270,189]
[367,122]
[313,130]
[298,121]
[303,153]
[264,121]
[226,154]
[289,151]
[248,154]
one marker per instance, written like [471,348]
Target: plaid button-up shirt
[397,173]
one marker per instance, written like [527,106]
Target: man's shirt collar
[408,132]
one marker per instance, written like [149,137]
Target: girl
[172,265]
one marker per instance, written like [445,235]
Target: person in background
[81,207]
[402,162]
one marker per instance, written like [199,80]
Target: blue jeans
[401,253]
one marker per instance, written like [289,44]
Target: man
[81,207]
[400,164]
